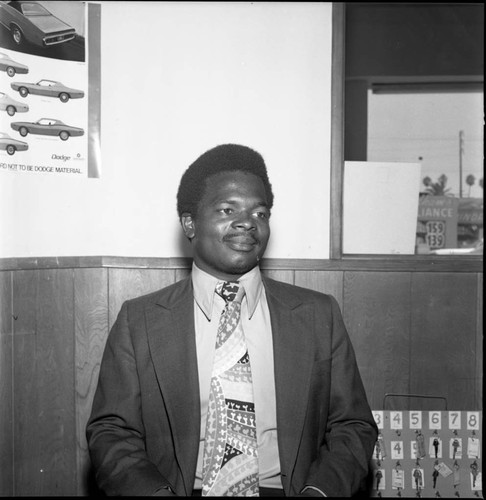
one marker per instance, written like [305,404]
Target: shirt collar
[205,284]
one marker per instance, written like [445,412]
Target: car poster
[43,88]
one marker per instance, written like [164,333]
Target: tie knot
[228,290]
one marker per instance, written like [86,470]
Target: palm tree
[470,180]
[437,188]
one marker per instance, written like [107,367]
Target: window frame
[460,263]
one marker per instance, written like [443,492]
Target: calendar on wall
[427,454]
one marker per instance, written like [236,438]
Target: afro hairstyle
[222,158]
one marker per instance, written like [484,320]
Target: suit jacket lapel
[171,337]
[289,317]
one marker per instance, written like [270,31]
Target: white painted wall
[177,79]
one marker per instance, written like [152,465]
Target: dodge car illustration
[30,21]
[11,145]
[47,126]
[10,66]
[49,88]
[11,106]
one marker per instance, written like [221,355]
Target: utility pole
[461,151]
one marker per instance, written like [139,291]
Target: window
[414,96]
[442,132]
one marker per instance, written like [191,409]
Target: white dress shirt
[255,317]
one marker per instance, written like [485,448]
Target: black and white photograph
[241,249]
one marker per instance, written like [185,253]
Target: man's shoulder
[169,294]
[295,292]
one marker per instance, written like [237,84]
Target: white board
[380,207]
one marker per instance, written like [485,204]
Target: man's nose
[244,220]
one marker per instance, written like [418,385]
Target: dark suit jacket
[143,432]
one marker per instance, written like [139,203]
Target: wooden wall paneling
[377,315]
[124,284]
[6,385]
[413,331]
[6,418]
[479,344]
[6,319]
[330,282]
[44,420]
[443,337]
[24,301]
[91,331]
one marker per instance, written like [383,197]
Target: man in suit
[154,425]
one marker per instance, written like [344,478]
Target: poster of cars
[43,88]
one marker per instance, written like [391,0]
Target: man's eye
[262,215]
[226,211]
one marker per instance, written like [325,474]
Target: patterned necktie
[230,464]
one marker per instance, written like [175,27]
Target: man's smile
[241,242]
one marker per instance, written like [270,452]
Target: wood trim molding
[409,263]
[337,131]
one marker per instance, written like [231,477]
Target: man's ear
[187,222]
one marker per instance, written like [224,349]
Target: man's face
[230,231]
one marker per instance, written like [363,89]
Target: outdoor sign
[471,211]
[437,221]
